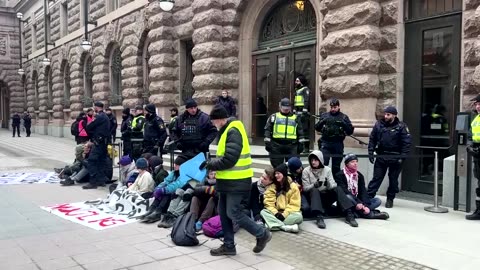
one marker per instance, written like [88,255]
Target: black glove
[179,146]
[203,147]
[300,148]
[371,158]
[268,147]
[280,216]
[203,165]
[318,184]
[187,197]
[325,183]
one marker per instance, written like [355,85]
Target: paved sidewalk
[31,238]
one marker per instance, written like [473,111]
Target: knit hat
[139,107]
[391,109]
[218,112]
[125,160]
[349,157]
[98,104]
[283,169]
[294,164]
[141,163]
[154,161]
[150,108]
[181,159]
[190,103]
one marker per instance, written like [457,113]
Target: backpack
[74,128]
[213,227]
[183,231]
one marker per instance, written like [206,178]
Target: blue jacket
[172,183]
[390,138]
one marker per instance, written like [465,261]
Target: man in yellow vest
[138,123]
[234,179]
[284,136]
[473,147]
[302,106]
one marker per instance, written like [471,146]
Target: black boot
[262,241]
[153,217]
[475,215]
[90,186]
[67,182]
[350,218]
[223,250]
[379,215]
[389,203]
[149,212]
[320,222]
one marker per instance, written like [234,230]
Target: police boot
[379,215]
[475,215]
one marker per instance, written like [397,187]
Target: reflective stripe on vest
[242,169]
[476,129]
[285,127]
[299,100]
[135,122]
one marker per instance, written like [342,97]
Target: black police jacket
[16,120]
[390,138]
[99,127]
[334,127]
[154,129]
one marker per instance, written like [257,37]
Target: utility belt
[383,152]
[100,140]
[285,141]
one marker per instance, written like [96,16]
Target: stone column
[76,82]
[42,123]
[471,55]
[101,73]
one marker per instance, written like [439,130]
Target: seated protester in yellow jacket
[282,203]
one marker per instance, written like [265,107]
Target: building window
[66,85]
[24,86]
[47,29]
[417,9]
[84,10]
[34,37]
[63,19]
[116,76]
[87,81]
[49,77]
[35,89]
[186,73]
[112,5]
[146,70]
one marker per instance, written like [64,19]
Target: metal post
[435,208]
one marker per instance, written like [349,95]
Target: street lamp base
[436,209]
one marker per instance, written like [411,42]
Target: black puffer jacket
[233,149]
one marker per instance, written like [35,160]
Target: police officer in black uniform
[99,131]
[138,123]
[126,130]
[389,137]
[193,132]
[334,126]
[284,136]
[302,107]
[154,133]
[113,125]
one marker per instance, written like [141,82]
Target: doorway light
[300,5]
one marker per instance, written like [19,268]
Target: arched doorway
[4,105]
[286,48]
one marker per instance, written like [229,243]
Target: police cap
[139,107]
[98,104]
[285,102]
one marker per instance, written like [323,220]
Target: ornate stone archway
[4,105]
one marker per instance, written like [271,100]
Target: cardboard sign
[86,215]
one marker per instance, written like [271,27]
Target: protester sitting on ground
[156,169]
[78,171]
[295,169]
[352,182]
[204,200]
[178,205]
[127,169]
[75,166]
[162,200]
[322,191]
[282,203]
[144,183]
[255,203]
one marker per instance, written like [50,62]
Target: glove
[325,183]
[318,184]
[268,147]
[179,192]
[203,147]
[159,192]
[179,146]
[187,195]
[203,165]
[371,158]
[280,216]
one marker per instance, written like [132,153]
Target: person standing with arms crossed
[234,180]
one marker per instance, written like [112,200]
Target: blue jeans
[374,204]
[231,209]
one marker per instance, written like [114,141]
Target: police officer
[334,126]
[473,147]
[27,123]
[389,137]
[173,118]
[113,125]
[302,106]
[126,130]
[154,134]
[284,136]
[193,132]
[137,132]
[99,131]
[16,119]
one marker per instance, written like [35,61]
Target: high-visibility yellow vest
[243,168]
[299,100]
[444,124]
[135,121]
[476,129]
[285,127]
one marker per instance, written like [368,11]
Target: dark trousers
[380,168]
[320,202]
[97,163]
[151,147]
[231,209]
[203,207]
[127,146]
[305,120]
[332,148]
[81,139]
[476,173]
[28,130]
[137,147]
[255,202]
[282,152]
[161,204]
[16,128]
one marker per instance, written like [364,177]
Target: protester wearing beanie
[144,183]
[352,182]
[127,168]
[282,203]
[192,131]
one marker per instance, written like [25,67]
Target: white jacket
[310,175]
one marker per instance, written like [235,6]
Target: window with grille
[417,9]
[187,75]
[116,76]
[146,71]
[63,19]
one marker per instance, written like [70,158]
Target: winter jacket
[204,129]
[172,183]
[16,120]
[310,175]
[390,138]
[127,171]
[229,104]
[275,201]
[154,130]
[143,183]
[362,196]
[82,132]
[233,149]
[126,127]
[334,127]
[27,121]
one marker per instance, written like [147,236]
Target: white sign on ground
[17,178]
[87,215]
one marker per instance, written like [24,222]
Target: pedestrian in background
[27,123]
[16,124]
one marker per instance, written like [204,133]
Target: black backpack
[74,128]
[183,231]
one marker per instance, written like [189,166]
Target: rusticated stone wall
[471,48]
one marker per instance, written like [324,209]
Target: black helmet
[334,102]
